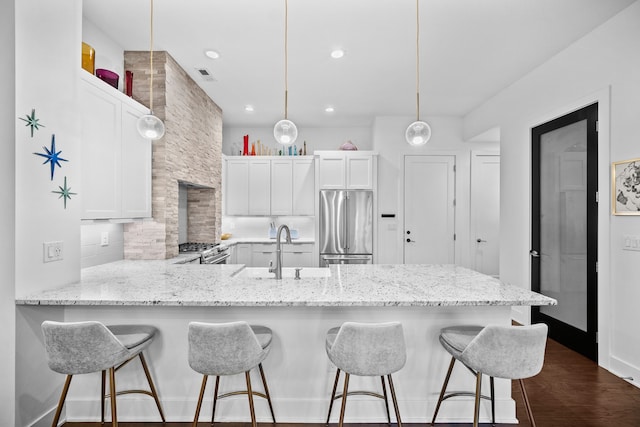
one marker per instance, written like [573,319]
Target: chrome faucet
[278,268]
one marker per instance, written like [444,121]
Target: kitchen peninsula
[424,298]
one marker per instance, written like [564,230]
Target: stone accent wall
[190,152]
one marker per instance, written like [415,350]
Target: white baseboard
[626,371]
[359,410]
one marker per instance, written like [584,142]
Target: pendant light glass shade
[150,127]
[418,133]
[285,132]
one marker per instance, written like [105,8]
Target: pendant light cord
[417,61]
[286,58]
[151,60]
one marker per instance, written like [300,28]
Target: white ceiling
[469,51]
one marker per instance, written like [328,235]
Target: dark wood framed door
[564,233]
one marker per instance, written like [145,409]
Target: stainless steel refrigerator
[346,227]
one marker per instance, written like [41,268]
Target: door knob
[481,241]
[534,253]
[410,241]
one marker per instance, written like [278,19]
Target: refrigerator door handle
[346,222]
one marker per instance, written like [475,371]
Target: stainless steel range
[210,253]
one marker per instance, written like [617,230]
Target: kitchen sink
[287,273]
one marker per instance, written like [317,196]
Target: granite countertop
[143,283]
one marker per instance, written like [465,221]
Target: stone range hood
[189,153]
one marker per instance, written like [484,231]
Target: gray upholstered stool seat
[83,347]
[228,349]
[511,352]
[366,349]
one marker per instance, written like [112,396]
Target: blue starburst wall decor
[64,192]
[52,156]
[32,121]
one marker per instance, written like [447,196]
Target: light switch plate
[630,242]
[53,251]
[104,238]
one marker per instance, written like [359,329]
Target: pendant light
[285,131]
[150,126]
[418,132]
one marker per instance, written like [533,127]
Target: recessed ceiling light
[329,110]
[337,53]
[248,108]
[212,54]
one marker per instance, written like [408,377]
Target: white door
[485,213]
[429,212]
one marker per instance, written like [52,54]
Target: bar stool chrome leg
[333,394]
[250,396]
[386,399]
[395,401]
[266,391]
[63,397]
[344,399]
[199,405]
[215,398]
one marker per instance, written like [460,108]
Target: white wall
[48,69]
[390,144]
[109,55]
[603,66]
[7,214]
[317,138]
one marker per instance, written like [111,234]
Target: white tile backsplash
[92,253]
[245,227]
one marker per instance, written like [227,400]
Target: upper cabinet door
[304,196]
[359,171]
[136,167]
[348,170]
[281,186]
[116,160]
[332,171]
[260,187]
[269,185]
[101,155]
[237,187]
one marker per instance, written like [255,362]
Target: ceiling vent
[205,74]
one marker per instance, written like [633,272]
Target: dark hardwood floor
[570,391]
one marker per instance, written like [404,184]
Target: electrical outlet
[104,238]
[53,251]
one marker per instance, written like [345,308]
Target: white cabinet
[237,187]
[304,182]
[269,185]
[259,187]
[136,167]
[116,160]
[298,255]
[243,253]
[281,186]
[262,254]
[346,170]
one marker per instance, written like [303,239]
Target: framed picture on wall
[625,187]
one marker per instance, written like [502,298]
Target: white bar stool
[511,352]
[83,347]
[366,349]
[228,349]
